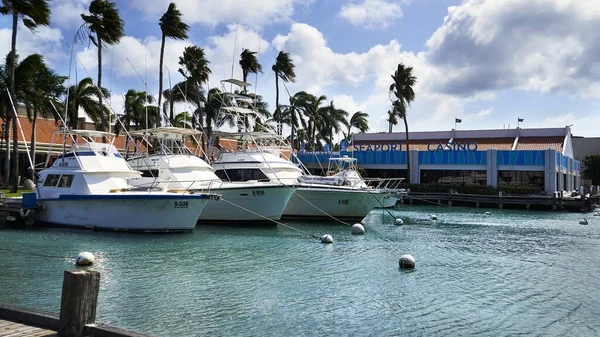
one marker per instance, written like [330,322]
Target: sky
[485,62]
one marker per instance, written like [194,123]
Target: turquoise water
[514,272]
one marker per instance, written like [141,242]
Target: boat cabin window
[241,175]
[149,173]
[66,180]
[56,180]
[52,180]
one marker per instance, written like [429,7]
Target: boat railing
[391,185]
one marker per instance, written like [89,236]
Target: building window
[521,178]
[465,177]
[52,180]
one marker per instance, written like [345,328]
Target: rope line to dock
[275,221]
[33,254]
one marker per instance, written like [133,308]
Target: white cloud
[213,12]
[67,13]
[371,13]
[540,45]
[45,40]
[477,116]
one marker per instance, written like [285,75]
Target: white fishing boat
[88,185]
[172,166]
[343,195]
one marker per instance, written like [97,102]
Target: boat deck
[12,329]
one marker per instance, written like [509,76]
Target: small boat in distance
[87,186]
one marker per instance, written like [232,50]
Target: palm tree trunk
[15,162]
[7,158]
[407,152]
[160,77]
[33,123]
[292,131]
[277,111]
[390,127]
[245,76]
[102,117]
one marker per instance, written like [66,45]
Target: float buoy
[398,222]
[84,259]
[327,238]
[358,229]
[583,222]
[488,213]
[433,217]
[597,214]
[407,261]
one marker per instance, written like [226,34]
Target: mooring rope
[431,202]
[269,219]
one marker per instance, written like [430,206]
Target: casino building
[517,157]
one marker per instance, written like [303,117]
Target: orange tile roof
[540,143]
[484,144]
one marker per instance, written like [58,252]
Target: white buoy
[327,238]
[358,229]
[583,222]
[407,261]
[398,222]
[433,217]
[597,214]
[84,259]
[488,213]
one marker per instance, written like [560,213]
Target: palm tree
[104,21]
[402,88]
[84,95]
[284,69]
[249,64]
[392,119]
[34,13]
[330,122]
[172,27]
[183,120]
[291,115]
[187,91]
[359,121]
[310,105]
[39,88]
[194,67]
[137,110]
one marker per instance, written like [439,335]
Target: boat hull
[345,204]
[124,212]
[257,205]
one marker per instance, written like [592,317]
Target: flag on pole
[457,120]
[520,119]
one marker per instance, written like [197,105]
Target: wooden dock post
[78,302]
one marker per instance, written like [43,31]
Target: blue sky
[486,62]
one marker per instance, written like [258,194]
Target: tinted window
[66,180]
[149,173]
[51,180]
[241,175]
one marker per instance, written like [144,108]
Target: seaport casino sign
[449,146]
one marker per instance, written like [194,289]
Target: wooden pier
[77,313]
[537,202]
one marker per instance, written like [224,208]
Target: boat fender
[358,229]
[84,259]
[327,238]
[24,213]
[407,261]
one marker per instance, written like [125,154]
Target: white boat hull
[260,204]
[323,203]
[124,212]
